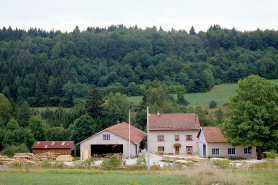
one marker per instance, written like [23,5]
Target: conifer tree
[94,104]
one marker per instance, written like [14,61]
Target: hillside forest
[103,66]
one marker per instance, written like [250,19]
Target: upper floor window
[106,136]
[160,138]
[248,151]
[231,151]
[189,138]
[177,137]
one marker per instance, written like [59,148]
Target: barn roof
[52,144]
[179,121]
[213,135]
[122,129]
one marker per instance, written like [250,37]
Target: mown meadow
[219,93]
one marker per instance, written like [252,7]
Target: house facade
[173,133]
[213,144]
[113,140]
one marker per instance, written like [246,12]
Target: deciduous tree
[253,115]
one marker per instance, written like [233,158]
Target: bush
[46,164]
[271,155]
[110,163]
[90,161]
[140,164]
[16,165]
[59,164]
[12,149]
[212,104]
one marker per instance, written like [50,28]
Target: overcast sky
[64,15]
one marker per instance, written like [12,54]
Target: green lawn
[220,94]
[99,179]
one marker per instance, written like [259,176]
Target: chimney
[118,122]
[157,113]
[196,117]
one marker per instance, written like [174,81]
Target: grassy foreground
[203,173]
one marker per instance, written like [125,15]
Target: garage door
[105,149]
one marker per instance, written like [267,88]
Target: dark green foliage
[83,127]
[94,104]
[253,115]
[212,104]
[24,114]
[12,149]
[37,126]
[36,65]
[12,125]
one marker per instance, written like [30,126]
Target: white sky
[64,15]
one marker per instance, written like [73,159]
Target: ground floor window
[215,151]
[231,151]
[161,149]
[248,151]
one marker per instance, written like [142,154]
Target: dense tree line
[54,68]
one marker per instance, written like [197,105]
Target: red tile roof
[121,129]
[52,144]
[213,135]
[179,121]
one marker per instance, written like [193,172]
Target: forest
[103,66]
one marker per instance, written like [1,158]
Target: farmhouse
[114,139]
[174,133]
[61,147]
[213,144]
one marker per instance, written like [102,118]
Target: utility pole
[148,137]
[129,133]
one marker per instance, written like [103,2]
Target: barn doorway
[104,150]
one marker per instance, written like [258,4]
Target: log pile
[30,158]
[64,158]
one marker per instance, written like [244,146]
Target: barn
[61,147]
[114,139]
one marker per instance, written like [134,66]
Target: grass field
[201,174]
[220,94]
[99,179]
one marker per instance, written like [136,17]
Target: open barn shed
[60,147]
[113,140]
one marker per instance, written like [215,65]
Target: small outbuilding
[113,140]
[60,147]
[213,144]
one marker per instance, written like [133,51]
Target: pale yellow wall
[169,141]
[224,150]
[98,140]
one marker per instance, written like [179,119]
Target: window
[106,136]
[248,151]
[215,151]
[160,138]
[177,137]
[231,151]
[161,149]
[188,137]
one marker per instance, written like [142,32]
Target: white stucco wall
[223,150]
[114,139]
[169,141]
